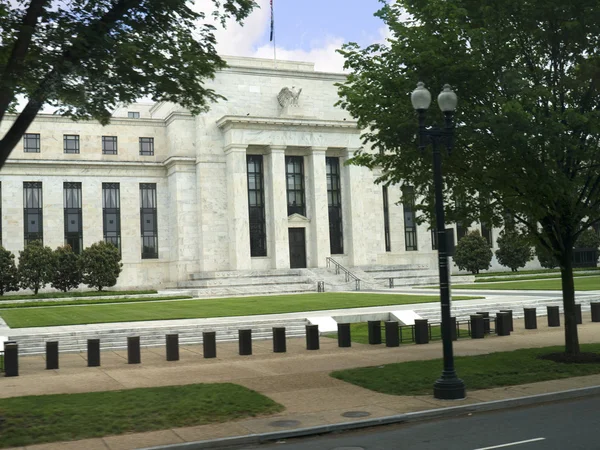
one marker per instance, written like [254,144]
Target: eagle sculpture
[288,97]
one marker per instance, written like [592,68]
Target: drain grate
[356,414]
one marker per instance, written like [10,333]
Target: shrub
[36,264]
[547,260]
[67,273]
[9,276]
[473,253]
[100,265]
[514,250]
[588,239]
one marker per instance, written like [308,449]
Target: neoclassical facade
[259,182]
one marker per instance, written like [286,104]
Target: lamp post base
[449,389]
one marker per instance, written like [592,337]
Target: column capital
[318,149]
[235,148]
[276,148]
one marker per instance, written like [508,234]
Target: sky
[305,30]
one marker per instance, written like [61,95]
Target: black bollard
[421,331]
[312,337]
[245,338]
[279,343]
[486,321]
[503,324]
[374,327]
[392,334]
[553,316]
[133,350]
[477,326]
[510,318]
[209,344]
[530,318]
[51,355]
[172,341]
[578,316]
[344,339]
[93,352]
[595,308]
[11,359]
[453,329]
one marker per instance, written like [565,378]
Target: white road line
[510,444]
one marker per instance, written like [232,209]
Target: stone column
[274,168]
[319,212]
[354,196]
[237,207]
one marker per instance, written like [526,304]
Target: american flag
[272,20]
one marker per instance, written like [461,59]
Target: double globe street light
[448,386]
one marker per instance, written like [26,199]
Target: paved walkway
[299,380]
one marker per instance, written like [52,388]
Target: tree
[473,253]
[100,265]
[36,264]
[86,56]
[528,121]
[514,250]
[588,239]
[67,273]
[9,277]
[545,257]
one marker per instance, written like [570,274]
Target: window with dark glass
[294,171]
[31,143]
[109,145]
[133,114]
[386,220]
[434,239]
[410,224]
[71,143]
[148,220]
[486,232]
[256,206]
[461,231]
[147,146]
[334,202]
[32,211]
[111,213]
[73,222]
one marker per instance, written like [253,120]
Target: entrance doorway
[297,239]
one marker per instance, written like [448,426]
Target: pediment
[298,218]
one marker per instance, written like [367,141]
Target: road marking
[510,444]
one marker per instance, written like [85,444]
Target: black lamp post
[448,386]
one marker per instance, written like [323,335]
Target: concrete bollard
[312,337]
[133,350]
[11,359]
[245,342]
[503,324]
[578,316]
[595,307]
[530,318]
[477,326]
[486,321]
[510,319]
[392,334]
[209,344]
[374,328]
[279,343]
[421,331]
[344,338]
[553,316]
[51,355]
[172,344]
[93,352]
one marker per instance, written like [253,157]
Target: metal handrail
[349,275]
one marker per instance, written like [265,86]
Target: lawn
[74,294]
[532,277]
[90,301]
[591,283]
[203,308]
[536,271]
[64,417]
[478,372]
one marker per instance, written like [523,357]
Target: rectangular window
[461,231]
[73,222]
[71,143]
[294,172]
[31,143]
[410,224]
[256,206]
[133,114]
[334,202]
[111,213]
[147,146]
[386,220]
[148,220]
[434,239]
[486,232]
[32,211]
[109,145]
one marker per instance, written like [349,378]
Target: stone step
[245,273]
[394,267]
[229,291]
[244,281]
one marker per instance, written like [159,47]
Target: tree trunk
[568,291]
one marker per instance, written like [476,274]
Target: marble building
[257,183]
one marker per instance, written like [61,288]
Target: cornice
[51,118]
[229,122]
[57,163]
[284,73]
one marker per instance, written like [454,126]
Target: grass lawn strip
[531,277]
[204,308]
[478,372]
[74,294]
[64,417]
[536,271]
[99,301]
[591,283]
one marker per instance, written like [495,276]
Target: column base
[449,389]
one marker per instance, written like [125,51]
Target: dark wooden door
[297,248]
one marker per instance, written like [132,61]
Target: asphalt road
[568,425]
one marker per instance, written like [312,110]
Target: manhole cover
[285,423]
[356,414]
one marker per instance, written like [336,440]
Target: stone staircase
[405,275]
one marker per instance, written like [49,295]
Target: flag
[272,20]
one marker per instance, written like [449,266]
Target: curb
[254,439]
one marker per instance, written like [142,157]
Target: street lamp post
[448,386]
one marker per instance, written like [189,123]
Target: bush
[9,276]
[473,253]
[588,239]
[36,264]
[100,265]
[514,250]
[67,273]
[547,260]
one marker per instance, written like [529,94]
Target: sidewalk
[298,379]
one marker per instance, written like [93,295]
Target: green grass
[74,294]
[478,372]
[537,271]
[50,418]
[532,277]
[94,301]
[581,284]
[203,308]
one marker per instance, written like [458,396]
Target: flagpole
[273,34]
